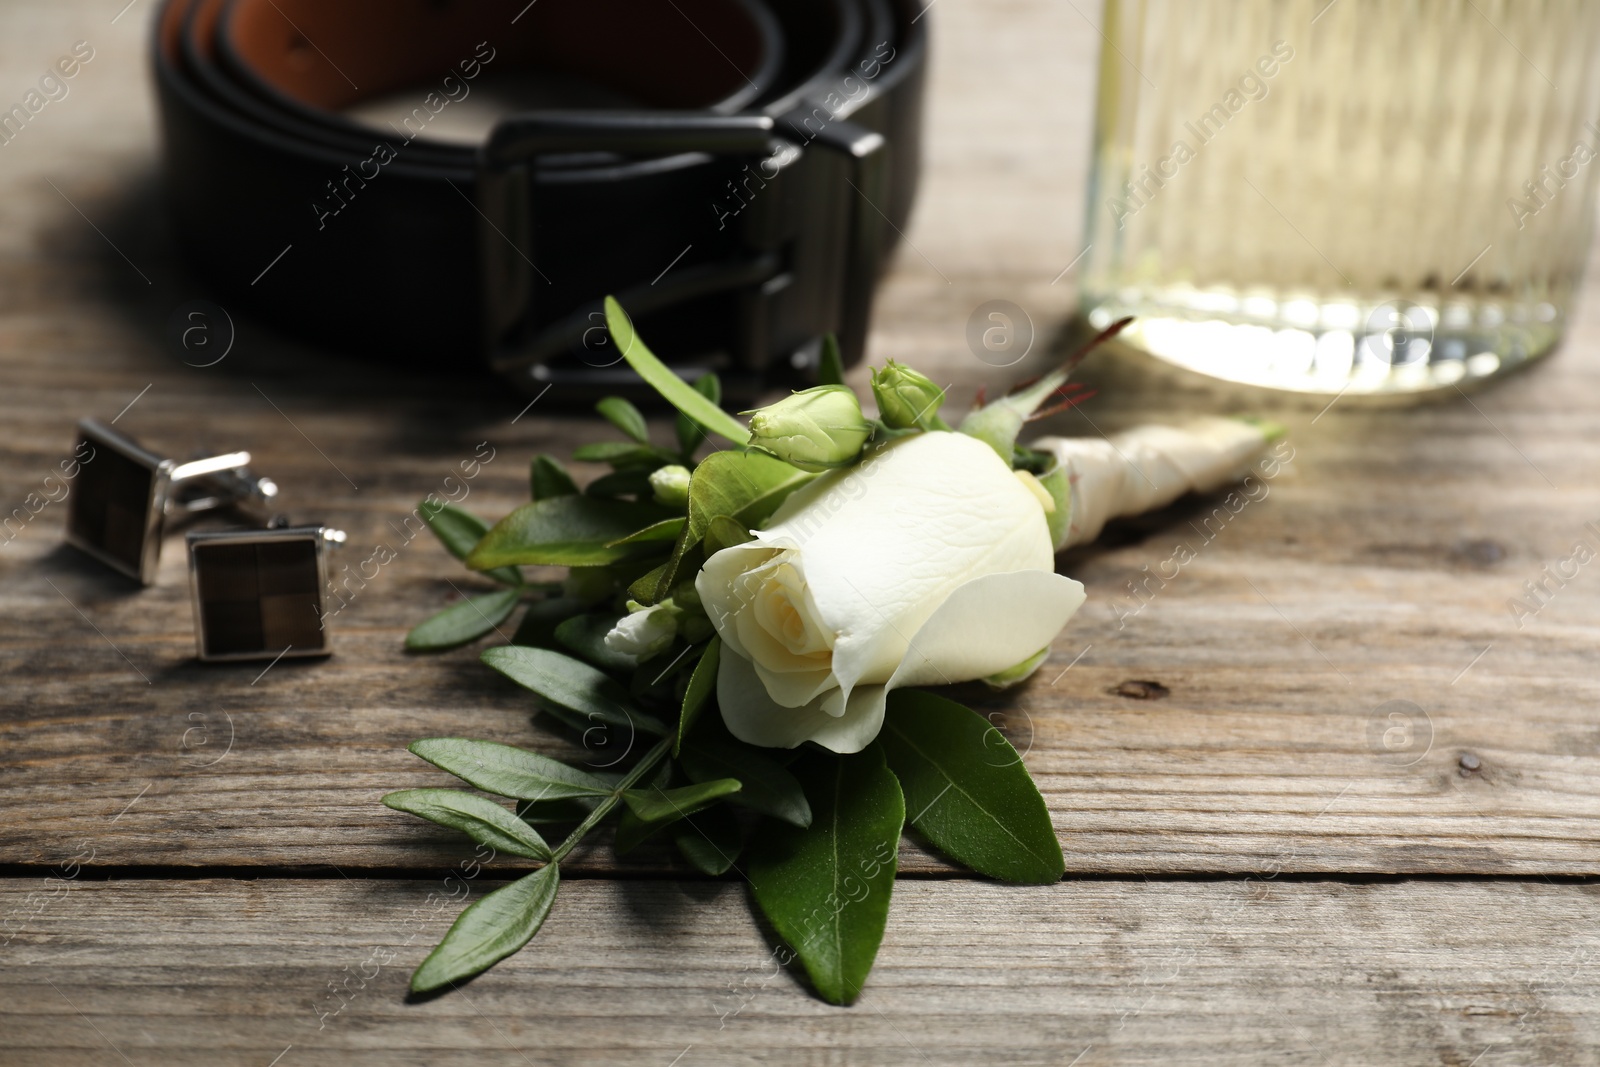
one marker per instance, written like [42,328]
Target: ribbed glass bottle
[1378,197]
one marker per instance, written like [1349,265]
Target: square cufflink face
[258,594]
[114,512]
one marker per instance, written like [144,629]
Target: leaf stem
[602,809]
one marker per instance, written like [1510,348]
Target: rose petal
[796,690]
[785,610]
[947,495]
[715,586]
[980,628]
[755,718]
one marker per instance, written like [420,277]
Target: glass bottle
[1385,198]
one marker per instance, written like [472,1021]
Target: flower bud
[645,632]
[814,429]
[670,484]
[693,625]
[906,398]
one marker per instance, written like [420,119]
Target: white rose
[927,563]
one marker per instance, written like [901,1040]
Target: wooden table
[1265,866]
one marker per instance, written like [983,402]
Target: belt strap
[740,204]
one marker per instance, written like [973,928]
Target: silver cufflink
[260,594]
[125,493]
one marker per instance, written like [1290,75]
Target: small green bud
[906,398]
[686,596]
[693,625]
[670,484]
[815,429]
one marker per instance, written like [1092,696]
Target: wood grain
[1372,579]
[637,973]
[1378,567]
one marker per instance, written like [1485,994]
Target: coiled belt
[740,203]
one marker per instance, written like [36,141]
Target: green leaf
[677,392]
[618,453]
[545,812]
[586,635]
[571,684]
[702,683]
[768,786]
[625,417]
[974,798]
[826,888]
[568,531]
[632,830]
[998,423]
[631,481]
[744,486]
[478,817]
[690,433]
[463,622]
[539,622]
[710,841]
[830,369]
[627,570]
[723,532]
[548,479]
[657,585]
[508,771]
[490,930]
[459,531]
[665,805]
[656,532]
[652,587]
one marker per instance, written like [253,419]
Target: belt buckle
[812,252]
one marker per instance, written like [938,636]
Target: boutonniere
[757,631]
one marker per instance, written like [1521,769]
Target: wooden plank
[1376,570]
[636,973]
[1263,753]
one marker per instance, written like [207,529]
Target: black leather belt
[741,207]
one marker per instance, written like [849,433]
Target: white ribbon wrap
[1149,467]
